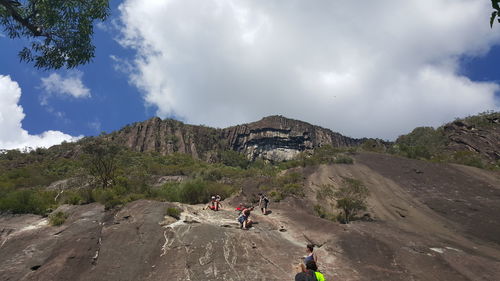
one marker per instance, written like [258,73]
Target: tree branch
[23,21]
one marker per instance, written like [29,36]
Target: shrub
[57,218]
[351,198]
[28,201]
[174,212]
[234,159]
[343,159]
[468,158]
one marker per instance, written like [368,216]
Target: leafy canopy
[351,198]
[59,32]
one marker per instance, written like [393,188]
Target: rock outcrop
[484,140]
[431,221]
[273,138]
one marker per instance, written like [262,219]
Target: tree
[495,4]
[351,198]
[101,160]
[59,31]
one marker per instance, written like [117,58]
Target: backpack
[266,200]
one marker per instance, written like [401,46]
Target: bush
[351,198]
[234,159]
[468,158]
[174,212]
[28,201]
[343,159]
[58,218]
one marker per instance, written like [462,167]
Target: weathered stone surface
[274,138]
[466,137]
[430,222]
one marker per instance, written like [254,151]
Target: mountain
[274,138]
[424,220]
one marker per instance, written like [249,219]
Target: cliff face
[482,138]
[278,138]
[274,138]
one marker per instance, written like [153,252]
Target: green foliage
[27,201]
[483,120]
[321,211]
[468,158]
[59,31]
[57,218]
[495,4]
[100,160]
[194,191]
[373,145]
[421,143]
[288,184]
[174,212]
[326,191]
[325,154]
[234,159]
[351,198]
[343,159]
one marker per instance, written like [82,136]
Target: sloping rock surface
[428,222]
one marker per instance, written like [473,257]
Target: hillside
[473,141]
[274,138]
[428,221]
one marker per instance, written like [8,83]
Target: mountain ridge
[273,138]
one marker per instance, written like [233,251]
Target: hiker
[244,218]
[212,205]
[240,208]
[310,255]
[263,203]
[218,204]
[303,274]
[312,267]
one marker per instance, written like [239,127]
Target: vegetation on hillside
[427,143]
[95,170]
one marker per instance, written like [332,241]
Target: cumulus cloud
[70,85]
[370,68]
[12,135]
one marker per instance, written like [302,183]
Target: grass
[174,212]
[57,218]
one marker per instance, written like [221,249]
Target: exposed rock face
[278,138]
[483,140]
[431,222]
[274,138]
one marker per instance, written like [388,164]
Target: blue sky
[221,63]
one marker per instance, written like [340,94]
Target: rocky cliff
[274,138]
[479,134]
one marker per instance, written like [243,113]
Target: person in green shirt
[311,266]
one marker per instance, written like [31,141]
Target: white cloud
[95,125]
[71,85]
[12,135]
[370,68]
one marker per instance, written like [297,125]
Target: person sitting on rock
[263,203]
[244,218]
[218,204]
[312,267]
[310,255]
[212,205]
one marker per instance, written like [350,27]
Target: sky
[361,68]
